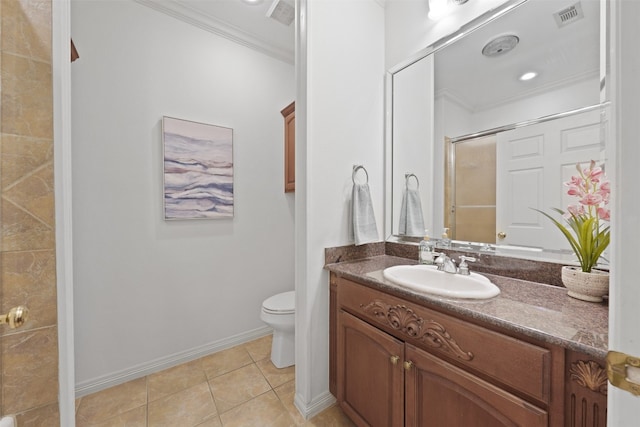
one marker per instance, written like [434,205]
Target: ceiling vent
[282,11]
[568,15]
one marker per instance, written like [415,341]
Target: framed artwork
[198,170]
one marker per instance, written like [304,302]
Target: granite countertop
[543,312]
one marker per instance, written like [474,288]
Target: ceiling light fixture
[439,8]
[252,2]
[528,76]
[500,45]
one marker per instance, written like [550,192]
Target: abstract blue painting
[198,170]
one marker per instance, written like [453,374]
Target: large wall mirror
[478,145]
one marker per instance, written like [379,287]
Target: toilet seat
[283,303]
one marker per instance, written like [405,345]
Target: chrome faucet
[446,264]
[464,267]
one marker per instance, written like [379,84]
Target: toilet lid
[283,303]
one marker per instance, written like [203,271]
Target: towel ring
[356,168]
[408,176]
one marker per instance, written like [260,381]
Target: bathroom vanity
[532,356]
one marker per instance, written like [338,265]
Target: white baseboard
[144,369]
[317,405]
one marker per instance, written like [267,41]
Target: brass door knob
[502,235]
[16,317]
[408,365]
[394,360]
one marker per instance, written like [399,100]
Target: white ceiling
[236,20]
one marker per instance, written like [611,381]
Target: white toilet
[278,312]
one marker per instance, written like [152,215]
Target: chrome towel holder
[356,168]
[408,176]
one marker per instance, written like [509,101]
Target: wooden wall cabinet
[397,363]
[289,114]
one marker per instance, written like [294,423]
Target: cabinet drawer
[517,364]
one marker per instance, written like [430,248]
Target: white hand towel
[411,219]
[364,222]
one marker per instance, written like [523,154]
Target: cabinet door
[289,114]
[370,378]
[439,394]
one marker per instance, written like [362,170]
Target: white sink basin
[426,278]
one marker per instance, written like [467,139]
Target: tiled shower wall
[29,380]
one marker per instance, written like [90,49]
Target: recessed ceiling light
[252,2]
[528,76]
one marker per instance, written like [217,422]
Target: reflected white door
[533,162]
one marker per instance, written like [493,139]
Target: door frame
[61,80]
[623,408]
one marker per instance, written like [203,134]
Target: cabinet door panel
[289,114]
[370,383]
[439,394]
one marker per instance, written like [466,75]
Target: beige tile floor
[235,387]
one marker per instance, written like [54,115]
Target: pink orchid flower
[591,199]
[575,191]
[594,174]
[574,210]
[575,181]
[604,214]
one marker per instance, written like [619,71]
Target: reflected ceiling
[558,54]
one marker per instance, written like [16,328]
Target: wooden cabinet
[384,380]
[441,394]
[372,378]
[289,114]
[397,363]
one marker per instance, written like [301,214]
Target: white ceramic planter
[585,286]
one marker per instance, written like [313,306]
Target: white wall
[340,65]
[148,291]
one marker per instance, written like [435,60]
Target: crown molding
[216,26]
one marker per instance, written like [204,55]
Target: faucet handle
[439,260]
[463,268]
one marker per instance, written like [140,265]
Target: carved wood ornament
[405,320]
[589,374]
